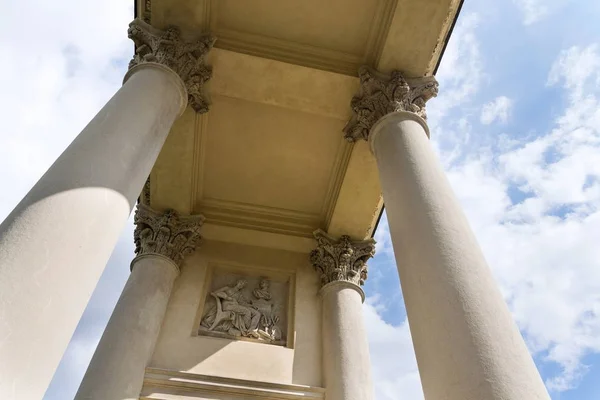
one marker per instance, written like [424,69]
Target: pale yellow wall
[178,347]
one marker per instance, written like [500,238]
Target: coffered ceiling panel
[324,24]
[269,156]
[333,35]
[261,161]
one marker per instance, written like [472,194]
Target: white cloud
[61,62]
[575,67]
[394,367]
[542,247]
[534,204]
[462,73]
[532,10]
[382,237]
[496,110]
[75,361]
[62,68]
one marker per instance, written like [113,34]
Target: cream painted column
[56,242]
[342,268]
[466,343]
[116,371]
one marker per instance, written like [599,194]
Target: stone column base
[174,385]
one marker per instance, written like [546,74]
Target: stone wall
[294,358]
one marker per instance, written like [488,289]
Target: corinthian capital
[341,260]
[380,95]
[167,48]
[168,234]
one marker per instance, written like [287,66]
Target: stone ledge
[161,384]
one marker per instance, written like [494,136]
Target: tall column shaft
[346,361]
[116,371]
[466,343]
[162,240]
[56,242]
[342,268]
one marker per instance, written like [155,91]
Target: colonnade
[55,244]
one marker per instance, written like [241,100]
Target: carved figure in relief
[235,315]
[269,318]
[262,291]
[245,318]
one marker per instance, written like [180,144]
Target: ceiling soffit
[270,155]
[294,64]
[334,35]
[282,172]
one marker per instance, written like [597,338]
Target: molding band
[342,285]
[155,256]
[395,118]
[172,76]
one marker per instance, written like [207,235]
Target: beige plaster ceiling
[279,160]
[267,165]
[334,35]
[262,157]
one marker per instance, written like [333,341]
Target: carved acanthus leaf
[341,260]
[145,195]
[168,233]
[380,95]
[167,48]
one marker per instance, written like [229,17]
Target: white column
[56,242]
[116,371]
[342,268]
[466,343]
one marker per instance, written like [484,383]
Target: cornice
[292,52]
[267,219]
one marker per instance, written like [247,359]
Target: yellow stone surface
[268,165]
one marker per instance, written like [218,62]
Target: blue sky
[516,125]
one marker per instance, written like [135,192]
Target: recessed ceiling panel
[268,156]
[340,25]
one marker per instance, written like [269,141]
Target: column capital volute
[341,259]
[380,95]
[168,234]
[167,48]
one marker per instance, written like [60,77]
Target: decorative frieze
[341,260]
[168,233]
[380,95]
[245,307]
[187,59]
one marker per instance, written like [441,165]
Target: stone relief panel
[246,307]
